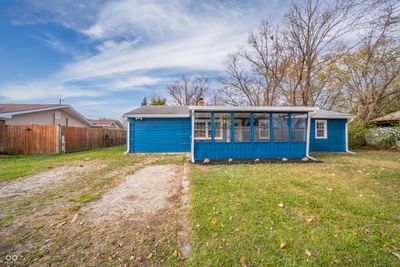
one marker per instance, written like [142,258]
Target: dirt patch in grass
[54,227]
[46,181]
[144,192]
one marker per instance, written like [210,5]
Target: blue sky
[103,57]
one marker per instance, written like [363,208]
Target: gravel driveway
[142,193]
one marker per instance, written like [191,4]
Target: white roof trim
[158,116]
[341,116]
[76,113]
[253,108]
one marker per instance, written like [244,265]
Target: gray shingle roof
[6,108]
[165,111]
[159,110]
[326,114]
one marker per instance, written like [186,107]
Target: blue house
[222,132]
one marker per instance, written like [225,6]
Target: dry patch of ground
[144,192]
[46,181]
[85,218]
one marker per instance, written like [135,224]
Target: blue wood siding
[203,150]
[160,135]
[336,141]
[249,150]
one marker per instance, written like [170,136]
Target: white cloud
[172,34]
[134,82]
[28,91]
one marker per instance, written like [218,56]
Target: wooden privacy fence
[51,139]
[78,139]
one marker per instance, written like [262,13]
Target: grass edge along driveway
[344,211]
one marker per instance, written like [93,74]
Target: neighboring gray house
[41,114]
[107,123]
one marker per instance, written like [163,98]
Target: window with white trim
[321,129]
[261,127]
[202,126]
[222,127]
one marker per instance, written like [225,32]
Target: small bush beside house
[383,137]
[357,131]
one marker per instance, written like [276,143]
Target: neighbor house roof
[184,111]
[101,122]
[394,116]
[106,123]
[8,110]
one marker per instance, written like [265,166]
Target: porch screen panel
[261,127]
[280,124]
[242,129]
[299,123]
[222,127]
[202,126]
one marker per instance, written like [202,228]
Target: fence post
[63,144]
[58,133]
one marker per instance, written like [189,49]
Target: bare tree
[255,72]
[371,74]
[314,30]
[188,90]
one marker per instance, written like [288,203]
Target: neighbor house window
[321,129]
[261,127]
[202,126]
[299,122]
[280,127]
[222,127]
[2,122]
[242,127]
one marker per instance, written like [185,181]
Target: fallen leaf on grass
[310,219]
[214,221]
[308,253]
[282,245]
[280,205]
[243,261]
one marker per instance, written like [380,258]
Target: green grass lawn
[23,165]
[345,211]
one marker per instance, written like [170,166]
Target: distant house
[223,132]
[388,119]
[111,124]
[41,114]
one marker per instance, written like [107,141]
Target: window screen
[261,127]
[222,127]
[299,123]
[280,127]
[242,127]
